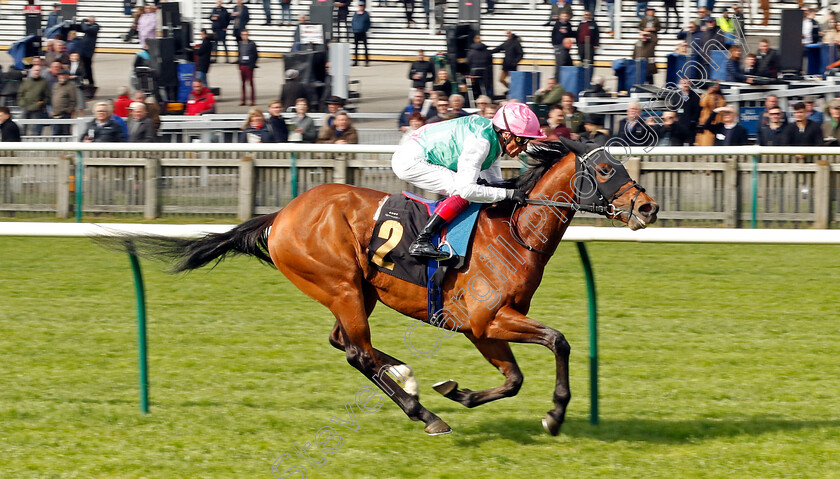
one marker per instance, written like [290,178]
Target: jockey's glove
[517,196]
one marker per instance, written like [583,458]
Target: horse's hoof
[446,387]
[551,425]
[437,428]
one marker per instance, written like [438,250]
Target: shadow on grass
[658,431]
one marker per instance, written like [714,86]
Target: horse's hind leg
[510,325]
[498,353]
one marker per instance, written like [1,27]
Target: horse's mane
[541,157]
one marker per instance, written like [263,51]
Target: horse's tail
[248,238]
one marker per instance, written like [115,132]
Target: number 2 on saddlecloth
[391,231]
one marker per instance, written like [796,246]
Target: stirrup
[426,249]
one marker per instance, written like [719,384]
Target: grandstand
[390,40]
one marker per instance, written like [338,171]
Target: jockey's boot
[422,246]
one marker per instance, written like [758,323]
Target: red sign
[69,2]
[31,9]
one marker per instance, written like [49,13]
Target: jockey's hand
[517,196]
[482,182]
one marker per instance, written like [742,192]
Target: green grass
[716,362]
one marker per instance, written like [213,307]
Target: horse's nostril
[649,209]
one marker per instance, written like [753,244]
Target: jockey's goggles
[519,140]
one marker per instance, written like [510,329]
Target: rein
[607,210]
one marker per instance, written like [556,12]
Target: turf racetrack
[716,362]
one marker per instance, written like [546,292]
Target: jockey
[449,158]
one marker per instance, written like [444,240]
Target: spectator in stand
[694,46]
[292,88]
[562,30]
[557,8]
[415,121]
[305,128]
[490,111]
[812,114]
[650,23]
[726,24]
[641,8]
[421,72]
[456,104]
[690,105]
[739,19]
[58,54]
[727,131]
[831,125]
[710,102]
[88,47]
[140,126]
[118,120]
[267,12]
[734,72]
[152,108]
[765,11]
[750,65]
[342,131]
[248,56]
[770,102]
[572,118]
[361,25]
[709,34]
[832,35]
[563,56]
[645,49]
[482,103]
[33,96]
[52,18]
[671,5]
[52,74]
[588,38]
[201,100]
[480,66]
[255,130]
[442,83]
[810,28]
[64,98]
[9,130]
[203,54]
[416,105]
[595,131]
[767,60]
[609,5]
[409,12]
[556,123]
[596,88]
[513,55]
[122,102]
[240,18]
[147,25]
[77,69]
[342,10]
[632,131]
[285,12]
[671,131]
[276,123]
[773,132]
[440,15]
[103,129]
[334,105]
[551,94]
[803,132]
[443,111]
[219,21]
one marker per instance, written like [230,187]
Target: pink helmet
[518,119]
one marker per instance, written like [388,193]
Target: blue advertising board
[750,118]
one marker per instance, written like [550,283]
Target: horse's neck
[543,226]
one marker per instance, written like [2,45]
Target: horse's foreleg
[510,325]
[498,353]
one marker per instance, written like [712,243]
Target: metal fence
[716,186]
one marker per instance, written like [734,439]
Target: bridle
[600,201]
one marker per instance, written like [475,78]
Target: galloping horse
[319,242]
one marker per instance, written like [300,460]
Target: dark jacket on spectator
[219,18]
[9,131]
[734,71]
[769,137]
[767,65]
[406,113]
[279,130]
[91,31]
[241,22]
[675,135]
[108,132]
[64,98]
[34,94]
[479,57]
[639,134]
[690,115]
[264,134]
[292,90]
[141,131]
[427,71]
[203,55]
[810,136]
[360,22]
[588,30]
[735,136]
[444,87]
[560,31]
[248,54]
[350,135]
[513,53]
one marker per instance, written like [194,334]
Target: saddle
[399,219]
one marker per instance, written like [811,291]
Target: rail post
[142,356]
[62,180]
[593,332]
[294,174]
[80,170]
[754,193]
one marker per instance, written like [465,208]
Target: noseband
[599,201]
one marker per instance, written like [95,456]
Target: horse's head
[602,181]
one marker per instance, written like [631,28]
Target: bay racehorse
[319,242]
